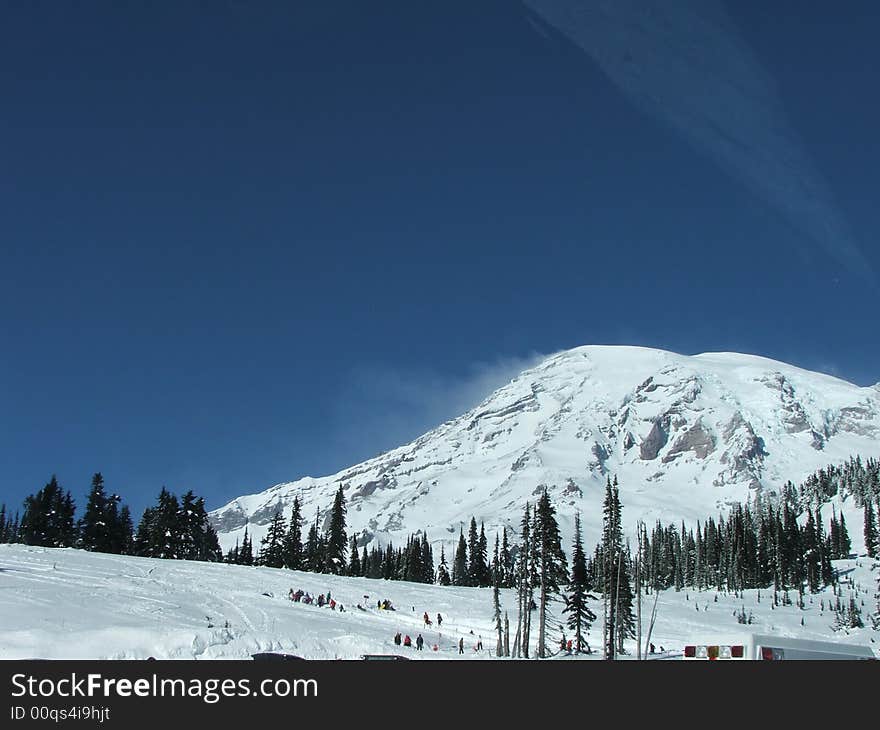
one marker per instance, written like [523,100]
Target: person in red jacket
[407,641]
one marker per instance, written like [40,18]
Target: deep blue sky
[247,242]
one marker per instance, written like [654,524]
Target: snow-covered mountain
[685,436]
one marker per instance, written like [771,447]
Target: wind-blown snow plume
[687,64]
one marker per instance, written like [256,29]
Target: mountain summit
[685,436]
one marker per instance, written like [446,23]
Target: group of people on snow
[407,641]
[301,596]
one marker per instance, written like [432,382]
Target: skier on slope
[439,620]
[419,642]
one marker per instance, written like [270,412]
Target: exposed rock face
[230,519]
[709,429]
[860,419]
[696,439]
[655,440]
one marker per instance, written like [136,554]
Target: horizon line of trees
[173,528]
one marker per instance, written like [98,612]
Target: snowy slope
[63,603]
[686,436]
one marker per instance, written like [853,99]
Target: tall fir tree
[496,604]
[122,537]
[870,530]
[475,557]
[443,577]
[293,547]
[460,575]
[272,545]
[337,540]
[246,552]
[611,550]
[313,554]
[551,563]
[845,545]
[525,584]
[427,560]
[198,539]
[507,579]
[484,573]
[159,533]
[97,523]
[577,600]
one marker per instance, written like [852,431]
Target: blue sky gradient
[243,243]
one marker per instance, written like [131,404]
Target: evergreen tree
[612,556]
[812,556]
[580,615]
[507,580]
[66,517]
[14,532]
[825,569]
[272,545]
[870,530]
[168,536]
[496,603]
[293,547]
[854,614]
[443,577]
[412,561]
[160,532]
[143,540]
[476,559]
[844,541]
[623,600]
[337,540]
[122,539]
[313,554]
[484,574]
[525,585]
[48,518]
[354,561]
[551,562]
[427,560]
[834,536]
[459,562]
[495,567]
[198,539]
[246,552]
[232,555]
[97,523]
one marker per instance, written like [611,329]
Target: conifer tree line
[171,529]
[780,544]
[765,544]
[860,480]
